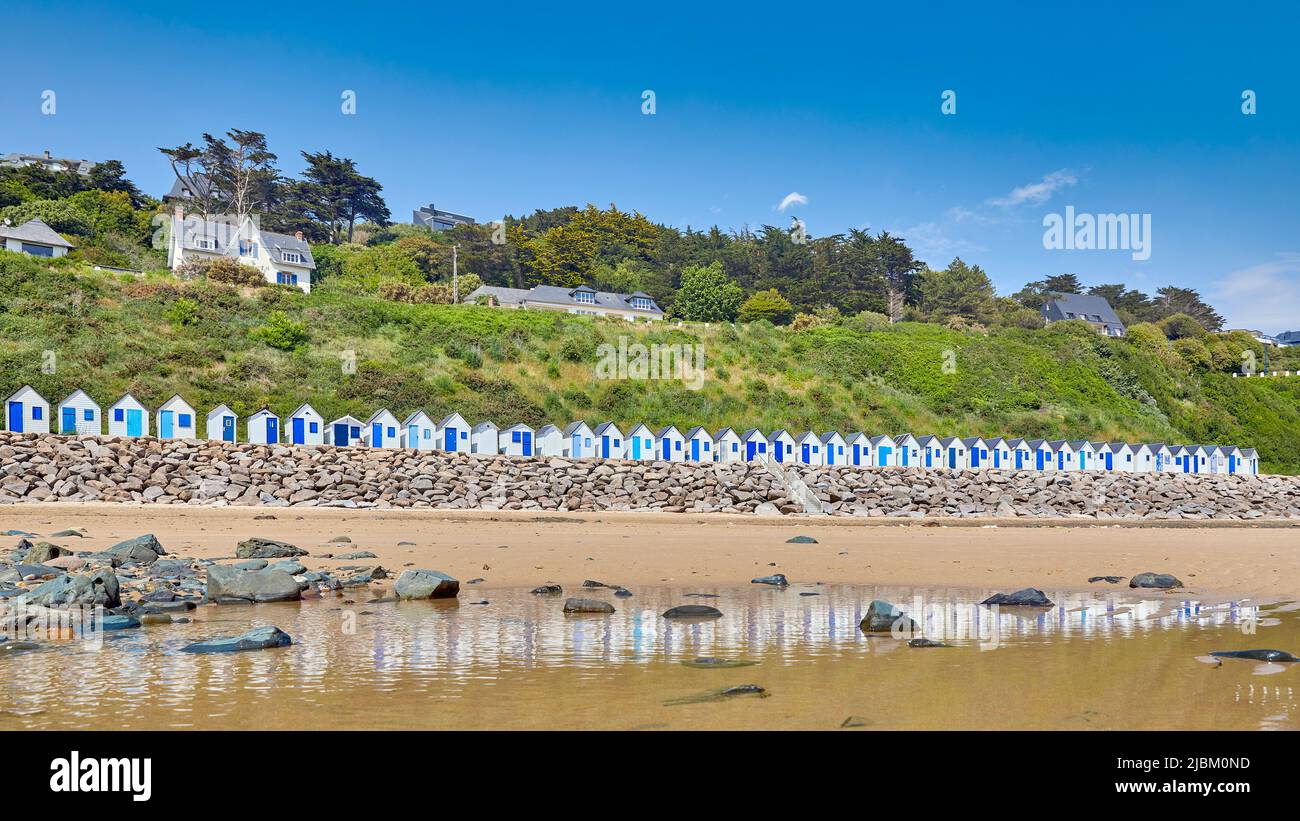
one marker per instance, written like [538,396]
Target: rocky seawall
[44,468]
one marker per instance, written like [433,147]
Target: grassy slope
[111,335]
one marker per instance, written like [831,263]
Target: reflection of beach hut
[755,445]
[858,449]
[176,419]
[220,425]
[79,414]
[885,451]
[907,450]
[516,440]
[609,441]
[417,431]
[833,448]
[344,431]
[549,441]
[264,428]
[781,446]
[727,446]
[306,426]
[699,445]
[27,412]
[380,430]
[579,440]
[669,442]
[484,438]
[128,417]
[641,443]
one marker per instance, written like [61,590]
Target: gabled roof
[262,412]
[223,408]
[574,427]
[722,433]
[1078,444]
[1038,444]
[35,231]
[555,295]
[903,437]
[451,417]
[348,419]
[1059,444]
[638,426]
[995,442]
[1015,444]
[806,435]
[826,437]
[78,392]
[875,440]
[856,435]
[518,426]
[751,433]
[949,441]
[411,418]
[1080,306]
[779,432]
[968,441]
[125,397]
[693,432]
[669,429]
[544,429]
[604,426]
[482,426]
[175,397]
[379,413]
[304,406]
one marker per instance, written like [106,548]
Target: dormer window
[247,248]
[641,303]
[585,297]
[292,257]
[205,243]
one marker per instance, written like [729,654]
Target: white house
[33,238]
[581,300]
[264,428]
[908,451]
[669,443]
[1062,455]
[699,445]
[1250,462]
[781,446]
[1216,460]
[1143,458]
[27,412]
[999,453]
[977,452]
[609,441]
[727,446]
[453,433]
[1020,455]
[177,420]
[641,443]
[128,417]
[484,439]
[954,453]
[417,432]
[1231,458]
[808,449]
[80,415]
[858,449]
[1164,458]
[1084,455]
[306,426]
[1116,456]
[221,422]
[931,451]
[1042,451]
[381,430]
[344,431]
[1195,458]
[516,440]
[755,445]
[549,441]
[579,441]
[280,258]
[884,450]
[833,448]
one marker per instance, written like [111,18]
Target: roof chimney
[47,153]
[297,235]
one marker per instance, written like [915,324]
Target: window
[38,412]
[184,420]
[392,431]
[314,427]
[677,445]
[585,297]
[88,414]
[464,435]
[118,414]
[356,433]
[706,445]
[427,433]
[38,250]
[515,437]
[789,448]
[205,243]
[291,257]
[586,442]
[283,278]
[642,304]
[734,447]
[247,248]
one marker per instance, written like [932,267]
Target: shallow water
[1098,659]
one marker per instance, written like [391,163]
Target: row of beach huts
[78,414]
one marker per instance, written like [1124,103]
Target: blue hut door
[929,457]
[903,453]
[527,441]
[830,454]
[667,446]
[695,450]
[376,435]
[1083,454]
[16,417]
[1038,459]
[857,454]
[803,453]
[68,420]
[636,447]
[228,429]
[1232,463]
[1060,460]
[165,429]
[449,439]
[952,458]
[974,457]
[134,422]
[750,447]
[604,447]
[340,435]
[1110,461]
[272,429]
[883,455]
[780,451]
[299,430]
[1020,460]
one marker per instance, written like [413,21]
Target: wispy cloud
[1263,297]
[1039,192]
[793,198]
[932,242]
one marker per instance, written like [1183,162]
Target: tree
[335,195]
[769,305]
[240,174]
[707,295]
[1171,300]
[1035,294]
[958,290]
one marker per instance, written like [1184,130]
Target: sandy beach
[508,549]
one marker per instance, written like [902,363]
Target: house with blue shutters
[549,441]
[382,430]
[579,440]
[452,434]
[485,438]
[26,411]
[609,441]
[306,426]
[516,440]
[833,449]
[221,424]
[670,444]
[907,451]
[79,415]
[885,450]
[344,431]
[176,419]
[781,446]
[418,432]
[641,443]
[727,446]
[128,417]
[264,428]
[755,445]
[281,259]
[699,445]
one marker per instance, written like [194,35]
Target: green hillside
[213,343]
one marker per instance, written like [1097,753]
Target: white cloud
[793,198]
[1264,297]
[1037,192]
[932,243]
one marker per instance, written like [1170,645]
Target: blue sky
[488,109]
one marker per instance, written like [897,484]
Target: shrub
[233,272]
[1180,326]
[769,305]
[182,312]
[868,321]
[281,332]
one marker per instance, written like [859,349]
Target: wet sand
[513,549]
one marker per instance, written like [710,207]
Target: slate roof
[555,295]
[1081,306]
[34,231]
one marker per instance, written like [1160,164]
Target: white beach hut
[755,445]
[176,419]
[954,453]
[808,449]
[1084,455]
[1116,456]
[699,445]
[220,424]
[931,451]
[833,449]
[579,440]
[128,417]
[609,441]
[79,414]
[381,430]
[999,453]
[884,451]
[344,431]
[1020,455]
[1062,455]
[1042,454]
[418,431]
[781,446]
[264,428]
[306,426]
[977,451]
[907,451]
[1250,462]
[26,411]
[640,443]
[1143,458]
[485,439]
[857,449]
[670,444]
[1216,461]
[453,434]
[1231,458]
[549,441]
[516,440]
[727,446]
